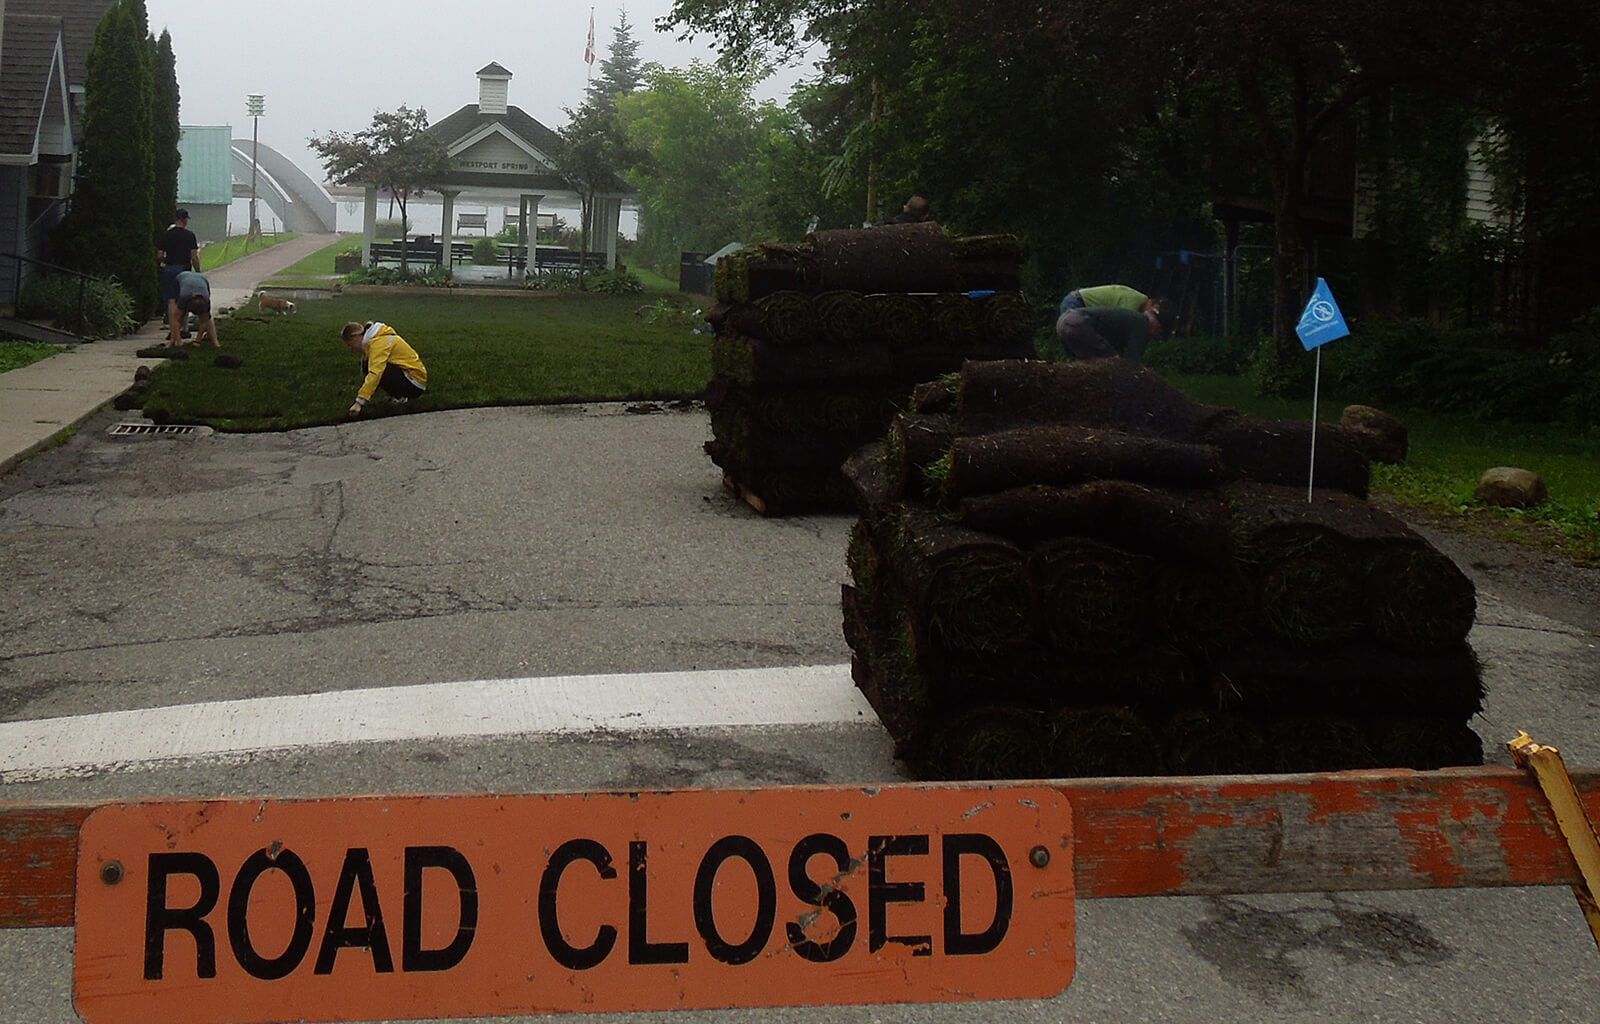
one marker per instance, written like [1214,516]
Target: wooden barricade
[1345,831]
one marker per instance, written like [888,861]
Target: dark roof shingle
[79,19]
[25,61]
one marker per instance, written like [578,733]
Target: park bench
[415,252]
[566,259]
[473,221]
[460,252]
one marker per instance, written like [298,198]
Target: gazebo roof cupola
[493,88]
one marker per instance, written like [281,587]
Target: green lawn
[318,265]
[550,348]
[533,349]
[237,247]
[15,354]
[1448,455]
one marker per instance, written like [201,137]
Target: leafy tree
[110,227]
[621,71]
[165,132]
[592,154]
[1119,106]
[394,153]
[1543,106]
[702,131]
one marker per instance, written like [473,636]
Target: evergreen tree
[165,133]
[109,230]
[620,72]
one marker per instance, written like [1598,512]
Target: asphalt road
[507,543]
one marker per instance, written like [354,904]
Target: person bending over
[387,362]
[192,294]
[1098,296]
[1101,332]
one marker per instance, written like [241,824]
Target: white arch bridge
[299,202]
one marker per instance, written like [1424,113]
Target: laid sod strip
[1093,598]
[1271,679]
[1197,741]
[1418,600]
[1091,742]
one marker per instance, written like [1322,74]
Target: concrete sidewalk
[41,402]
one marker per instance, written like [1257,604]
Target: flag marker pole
[1316,386]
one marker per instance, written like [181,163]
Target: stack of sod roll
[1075,569]
[818,342]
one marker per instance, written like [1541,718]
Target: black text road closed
[460,906]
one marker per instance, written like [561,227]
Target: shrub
[614,282]
[1483,373]
[1201,356]
[107,310]
[484,251]
[554,280]
[374,274]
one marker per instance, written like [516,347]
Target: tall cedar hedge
[164,133]
[110,229]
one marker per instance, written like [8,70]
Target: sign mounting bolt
[111,872]
[1039,857]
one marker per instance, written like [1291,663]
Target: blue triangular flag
[1321,322]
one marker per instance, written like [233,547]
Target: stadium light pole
[255,104]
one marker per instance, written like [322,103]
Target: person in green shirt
[1119,296]
[1101,332]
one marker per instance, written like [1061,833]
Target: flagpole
[1316,386]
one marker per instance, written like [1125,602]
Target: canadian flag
[588,48]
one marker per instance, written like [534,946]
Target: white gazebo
[498,153]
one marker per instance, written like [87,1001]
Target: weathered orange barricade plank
[1349,831]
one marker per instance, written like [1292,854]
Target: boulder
[1509,487]
[1380,436]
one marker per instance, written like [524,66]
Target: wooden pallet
[748,496]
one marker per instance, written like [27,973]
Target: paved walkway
[41,402]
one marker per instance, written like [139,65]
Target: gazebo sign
[449,906]
[495,166]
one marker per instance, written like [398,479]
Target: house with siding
[44,49]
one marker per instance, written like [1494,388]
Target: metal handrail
[16,286]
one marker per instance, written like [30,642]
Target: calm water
[423,214]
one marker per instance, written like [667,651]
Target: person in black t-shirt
[179,251]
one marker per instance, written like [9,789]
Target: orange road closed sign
[460,906]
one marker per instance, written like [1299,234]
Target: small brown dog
[274,304]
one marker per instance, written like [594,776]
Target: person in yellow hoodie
[388,362]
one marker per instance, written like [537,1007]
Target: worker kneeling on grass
[388,363]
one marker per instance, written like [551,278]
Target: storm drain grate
[152,429]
